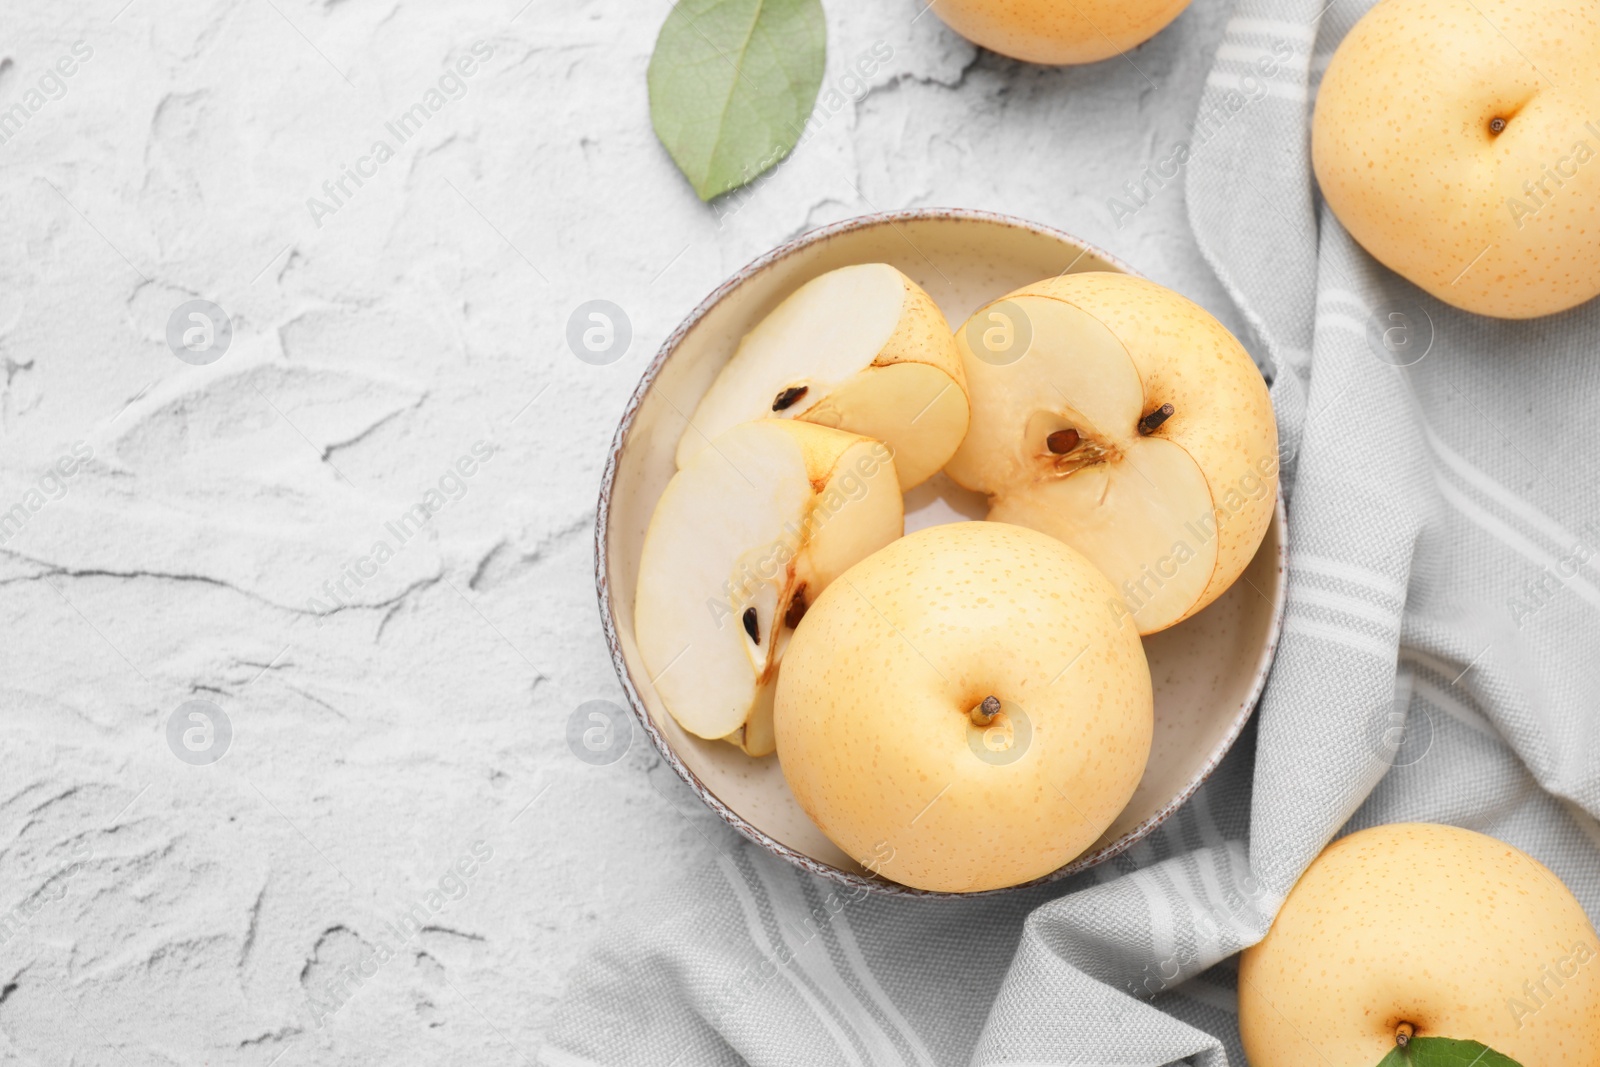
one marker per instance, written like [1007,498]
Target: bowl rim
[608,621]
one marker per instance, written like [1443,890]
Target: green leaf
[732,84]
[1445,1052]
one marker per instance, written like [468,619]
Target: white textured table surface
[251,910]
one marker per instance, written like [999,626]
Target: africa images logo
[451,486]
[1537,192]
[393,939]
[199,332]
[50,86]
[450,86]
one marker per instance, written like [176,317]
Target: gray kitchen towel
[1438,663]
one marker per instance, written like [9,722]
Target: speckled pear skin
[1223,414]
[1406,151]
[872,708]
[923,336]
[1457,933]
[1058,32]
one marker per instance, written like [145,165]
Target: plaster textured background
[158,912]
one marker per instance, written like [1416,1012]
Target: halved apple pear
[861,348]
[745,536]
[1133,426]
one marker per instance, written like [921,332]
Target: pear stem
[984,713]
[1152,422]
[1402,1034]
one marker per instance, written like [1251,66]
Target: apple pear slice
[862,349]
[1129,423]
[745,536]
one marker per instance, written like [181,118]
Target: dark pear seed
[1062,441]
[789,396]
[797,608]
[750,625]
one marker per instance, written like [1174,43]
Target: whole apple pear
[1058,31]
[1419,931]
[1459,142]
[963,709]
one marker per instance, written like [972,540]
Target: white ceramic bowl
[1208,671]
